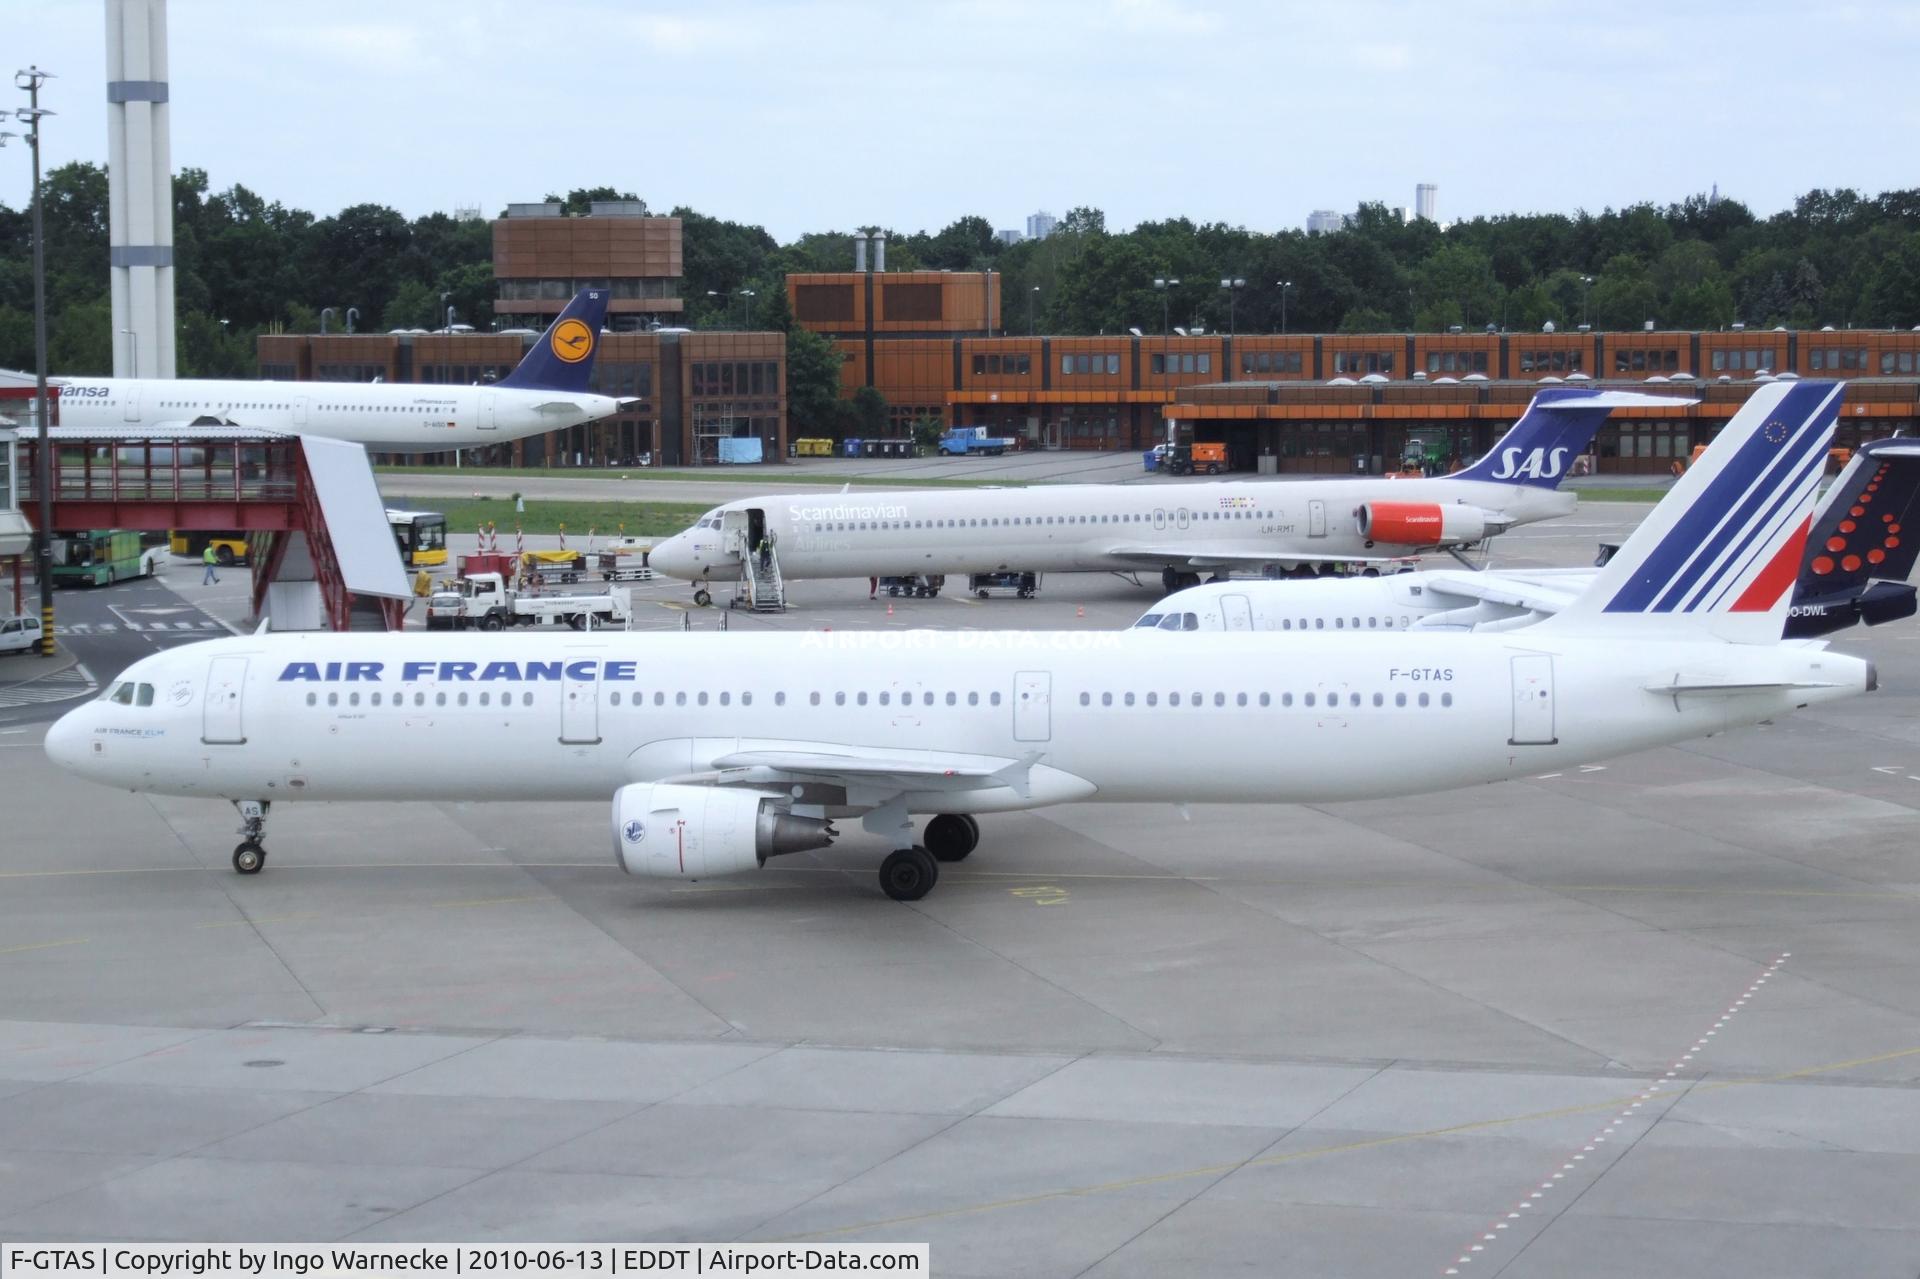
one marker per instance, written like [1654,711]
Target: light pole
[31,79]
[1586,291]
[1166,286]
[1233,287]
[1286,287]
[134,338]
[746,308]
[1031,293]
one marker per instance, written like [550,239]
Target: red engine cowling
[1426,524]
[666,831]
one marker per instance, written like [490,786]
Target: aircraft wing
[881,772]
[1544,594]
[1197,557]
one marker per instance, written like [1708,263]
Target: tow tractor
[485,602]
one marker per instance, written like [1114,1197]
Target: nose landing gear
[251,855]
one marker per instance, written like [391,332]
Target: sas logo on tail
[1531,464]
[572,341]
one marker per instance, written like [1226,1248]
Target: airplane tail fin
[1557,427]
[1718,557]
[1862,532]
[562,359]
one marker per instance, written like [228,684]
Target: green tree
[813,384]
[578,202]
[869,412]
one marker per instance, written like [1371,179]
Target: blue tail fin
[1717,558]
[1861,532]
[1556,428]
[562,360]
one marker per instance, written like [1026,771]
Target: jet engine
[1427,523]
[668,831]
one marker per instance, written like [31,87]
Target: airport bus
[98,557]
[229,545]
[421,537]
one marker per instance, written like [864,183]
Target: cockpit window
[1148,622]
[122,694]
[1189,621]
[1171,622]
[128,693]
[143,695]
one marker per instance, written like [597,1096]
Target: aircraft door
[1317,518]
[220,722]
[580,701]
[132,413]
[1032,706]
[299,410]
[1236,612]
[733,534]
[756,526]
[486,410]
[1533,701]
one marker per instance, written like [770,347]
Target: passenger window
[1129,699]
[1423,699]
[312,698]
[703,698]
[1153,699]
[973,699]
[613,698]
[1086,699]
[1339,623]
[374,699]
[813,699]
[884,698]
[1319,623]
[485,698]
[1173,699]
[659,699]
[779,699]
[1399,699]
[333,699]
[1106,699]
[951,699]
[926,699]
[839,699]
[1308,699]
[1220,699]
[860,699]
[725,698]
[994,698]
[462,698]
[1266,699]
[746,699]
[1446,699]
[1353,699]
[1379,700]
[526,699]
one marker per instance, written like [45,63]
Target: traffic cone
[889,609]
[1079,610]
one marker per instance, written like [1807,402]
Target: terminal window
[1270,362]
[1552,361]
[1646,361]
[1456,361]
[1183,362]
[1357,362]
[823,302]
[1090,364]
[1014,364]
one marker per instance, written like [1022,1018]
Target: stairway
[761,589]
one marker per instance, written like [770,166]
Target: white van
[19,634]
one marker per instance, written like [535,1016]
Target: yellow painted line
[43,945]
[1372,1143]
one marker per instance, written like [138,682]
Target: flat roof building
[541,258]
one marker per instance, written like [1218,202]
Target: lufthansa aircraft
[545,392]
[1855,571]
[1179,530]
[717,752]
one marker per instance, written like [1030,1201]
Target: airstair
[761,588]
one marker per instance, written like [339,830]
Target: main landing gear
[1172,580]
[251,855]
[908,874]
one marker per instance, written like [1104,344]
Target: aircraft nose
[66,741]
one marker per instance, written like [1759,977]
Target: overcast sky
[828,115]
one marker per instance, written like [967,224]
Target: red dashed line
[1593,1143]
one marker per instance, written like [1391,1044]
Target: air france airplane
[1181,531]
[546,391]
[1854,572]
[718,752]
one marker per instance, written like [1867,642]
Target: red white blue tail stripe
[1729,538]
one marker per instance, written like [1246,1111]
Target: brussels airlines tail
[1718,557]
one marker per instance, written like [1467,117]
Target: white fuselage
[398,416]
[1077,527]
[1119,716]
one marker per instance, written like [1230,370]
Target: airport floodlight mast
[1586,291]
[1286,287]
[1233,287]
[1032,293]
[30,115]
[1166,285]
[746,308]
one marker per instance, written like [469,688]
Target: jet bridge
[323,556]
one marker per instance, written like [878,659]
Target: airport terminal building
[932,344]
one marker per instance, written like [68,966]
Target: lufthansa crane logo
[635,831]
[1775,431]
[571,341]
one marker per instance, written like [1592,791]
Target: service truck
[962,440]
[485,602]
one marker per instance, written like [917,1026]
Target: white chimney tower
[139,189]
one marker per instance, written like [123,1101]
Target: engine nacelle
[694,832]
[1427,523]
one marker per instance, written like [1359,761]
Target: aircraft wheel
[249,857]
[951,836]
[981,594]
[702,598]
[908,874]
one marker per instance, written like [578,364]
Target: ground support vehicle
[485,602]
[962,440]
[1021,585]
[915,586]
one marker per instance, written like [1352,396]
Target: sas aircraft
[1854,572]
[546,391]
[715,753]
[1181,531]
